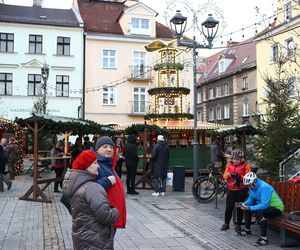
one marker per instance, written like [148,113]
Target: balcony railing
[138,107]
[139,72]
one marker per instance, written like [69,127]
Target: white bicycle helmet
[249,178]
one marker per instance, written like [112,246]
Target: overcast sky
[234,15]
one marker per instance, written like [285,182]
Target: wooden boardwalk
[175,221]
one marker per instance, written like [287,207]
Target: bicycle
[204,187]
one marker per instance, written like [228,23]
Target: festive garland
[247,130]
[169,90]
[77,127]
[170,116]
[168,65]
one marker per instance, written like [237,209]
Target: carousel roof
[176,125]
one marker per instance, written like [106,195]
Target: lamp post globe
[178,24]
[209,30]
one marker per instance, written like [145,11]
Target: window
[245,108]
[6,42]
[288,11]
[291,86]
[245,83]
[274,54]
[199,97]
[289,45]
[211,115]
[139,100]
[35,44]
[219,113]
[62,85]
[219,91]
[139,63]
[200,116]
[34,85]
[109,59]
[221,67]
[109,96]
[5,84]
[140,26]
[226,89]
[226,111]
[210,93]
[63,46]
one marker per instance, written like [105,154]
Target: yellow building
[118,69]
[282,38]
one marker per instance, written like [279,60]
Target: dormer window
[140,26]
[221,66]
[288,11]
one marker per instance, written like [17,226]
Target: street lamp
[45,75]
[209,30]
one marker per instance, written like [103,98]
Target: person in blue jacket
[264,201]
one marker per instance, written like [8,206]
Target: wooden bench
[289,221]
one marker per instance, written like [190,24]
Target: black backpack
[65,199]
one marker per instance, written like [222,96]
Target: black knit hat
[104,140]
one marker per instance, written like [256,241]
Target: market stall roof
[177,125]
[5,121]
[235,129]
[63,124]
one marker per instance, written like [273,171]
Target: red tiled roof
[243,55]
[101,16]
[162,31]
[104,17]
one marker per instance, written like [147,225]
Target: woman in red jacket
[235,170]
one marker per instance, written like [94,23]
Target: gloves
[112,179]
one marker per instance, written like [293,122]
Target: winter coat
[3,160]
[58,163]
[92,215]
[216,153]
[11,152]
[241,169]
[130,152]
[160,159]
[115,193]
[262,196]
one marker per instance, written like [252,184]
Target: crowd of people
[8,159]
[95,195]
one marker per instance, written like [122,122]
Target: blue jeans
[160,184]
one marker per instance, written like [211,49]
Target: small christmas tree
[280,122]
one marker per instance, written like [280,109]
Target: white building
[29,38]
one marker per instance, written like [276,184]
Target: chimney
[231,43]
[37,3]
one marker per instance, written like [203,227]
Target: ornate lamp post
[209,30]
[45,75]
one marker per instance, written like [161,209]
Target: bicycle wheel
[204,189]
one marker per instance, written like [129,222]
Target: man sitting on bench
[264,201]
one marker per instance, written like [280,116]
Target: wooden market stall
[54,125]
[179,135]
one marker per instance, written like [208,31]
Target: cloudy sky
[237,17]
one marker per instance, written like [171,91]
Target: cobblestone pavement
[175,221]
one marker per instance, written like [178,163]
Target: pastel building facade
[280,40]
[29,38]
[118,70]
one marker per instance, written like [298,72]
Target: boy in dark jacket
[131,161]
[160,159]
